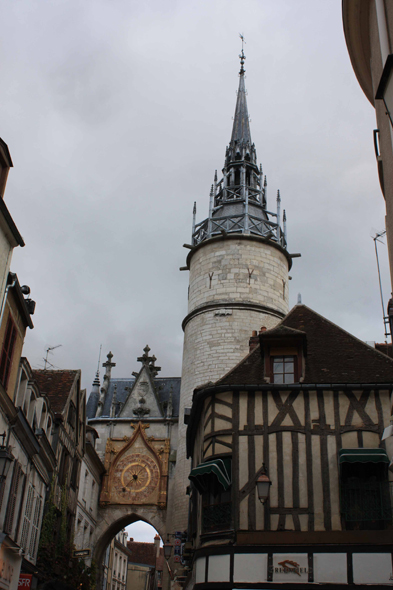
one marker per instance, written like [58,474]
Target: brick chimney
[254,340]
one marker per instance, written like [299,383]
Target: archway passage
[112,519]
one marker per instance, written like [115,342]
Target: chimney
[254,340]
[157,540]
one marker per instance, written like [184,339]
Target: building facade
[90,480]
[136,419]
[307,409]
[145,565]
[115,563]
[68,404]
[368,29]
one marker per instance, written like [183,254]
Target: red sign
[25,581]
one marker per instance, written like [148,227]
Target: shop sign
[291,568]
[82,553]
[25,581]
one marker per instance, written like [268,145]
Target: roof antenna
[376,239]
[299,298]
[99,360]
[48,350]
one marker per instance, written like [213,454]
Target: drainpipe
[382,30]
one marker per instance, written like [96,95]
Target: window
[72,416]
[14,496]
[7,352]
[27,518]
[364,489]
[213,480]
[283,369]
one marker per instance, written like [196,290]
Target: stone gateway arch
[136,420]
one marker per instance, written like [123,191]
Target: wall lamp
[263,484]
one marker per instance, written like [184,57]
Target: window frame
[7,351]
[273,359]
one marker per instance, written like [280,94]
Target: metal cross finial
[109,363]
[242,56]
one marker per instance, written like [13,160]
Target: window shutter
[34,528]
[9,519]
[7,352]
[27,518]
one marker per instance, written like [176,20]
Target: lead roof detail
[142,396]
[238,202]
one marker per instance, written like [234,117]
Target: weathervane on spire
[242,56]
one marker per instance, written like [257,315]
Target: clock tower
[238,264]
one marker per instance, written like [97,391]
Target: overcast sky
[117,113]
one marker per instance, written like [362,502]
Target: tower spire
[241,124]
[238,202]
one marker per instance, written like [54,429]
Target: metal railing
[239,224]
[366,502]
[216,517]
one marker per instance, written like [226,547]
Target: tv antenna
[49,350]
[377,238]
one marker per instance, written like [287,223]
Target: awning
[201,475]
[362,456]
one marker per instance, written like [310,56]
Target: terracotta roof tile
[143,553]
[56,385]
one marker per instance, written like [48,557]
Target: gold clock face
[136,477]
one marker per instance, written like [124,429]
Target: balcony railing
[216,517]
[366,503]
[239,224]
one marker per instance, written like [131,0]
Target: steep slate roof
[241,125]
[56,385]
[162,384]
[333,355]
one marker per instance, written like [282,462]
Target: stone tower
[238,265]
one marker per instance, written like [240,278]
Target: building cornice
[247,237]
[356,23]
[248,305]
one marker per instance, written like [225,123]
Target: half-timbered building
[307,408]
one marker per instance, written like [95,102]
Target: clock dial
[136,477]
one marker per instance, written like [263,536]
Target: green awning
[201,475]
[362,456]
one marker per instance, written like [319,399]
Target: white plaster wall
[330,568]
[218,568]
[250,568]
[372,568]
[200,566]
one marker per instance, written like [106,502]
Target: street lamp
[167,549]
[263,484]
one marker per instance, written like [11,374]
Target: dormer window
[283,369]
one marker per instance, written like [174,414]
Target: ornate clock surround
[136,469]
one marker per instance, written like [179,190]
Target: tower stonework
[238,264]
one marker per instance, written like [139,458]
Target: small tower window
[237,177]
